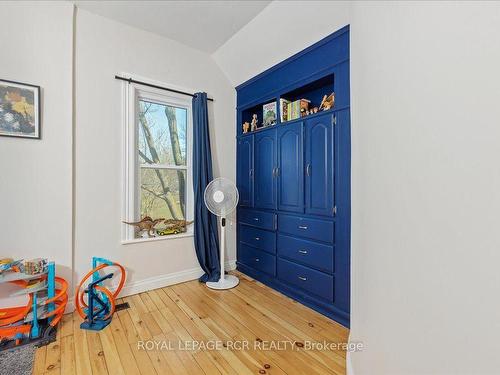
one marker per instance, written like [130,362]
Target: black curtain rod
[130,80]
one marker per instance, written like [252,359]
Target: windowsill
[161,238]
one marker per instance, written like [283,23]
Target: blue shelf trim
[316,45]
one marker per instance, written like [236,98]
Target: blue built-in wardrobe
[294,180]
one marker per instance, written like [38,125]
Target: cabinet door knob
[256,218]
[257,238]
[257,259]
[303,278]
[303,251]
[302,226]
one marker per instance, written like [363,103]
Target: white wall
[35,175]
[105,48]
[282,29]
[426,182]
[425,173]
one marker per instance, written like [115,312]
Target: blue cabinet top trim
[320,59]
[273,95]
[318,44]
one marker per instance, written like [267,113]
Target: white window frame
[133,93]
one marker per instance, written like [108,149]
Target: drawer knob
[257,259]
[256,218]
[257,238]
[303,251]
[302,226]
[303,278]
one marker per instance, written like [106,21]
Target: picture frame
[20,113]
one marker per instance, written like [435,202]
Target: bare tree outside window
[161,149]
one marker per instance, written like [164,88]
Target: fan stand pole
[225,281]
[222,252]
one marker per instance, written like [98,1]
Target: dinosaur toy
[177,224]
[146,224]
[327,102]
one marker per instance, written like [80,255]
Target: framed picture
[19,109]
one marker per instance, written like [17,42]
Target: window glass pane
[162,134]
[162,194]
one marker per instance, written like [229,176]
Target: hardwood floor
[190,314]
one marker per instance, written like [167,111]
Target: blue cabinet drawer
[257,259]
[315,282]
[315,229]
[264,220]
[309,253]
[261,239]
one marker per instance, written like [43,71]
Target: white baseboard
[158,282]
[348,365]
[349,369]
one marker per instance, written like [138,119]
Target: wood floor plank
[53,357]
[157,359]
[66,325]
[252,331]
[312,316]
[127,359]
[302,320]
[232,359]
[96,354]
[251,313]
[68,365]
[132,338]
[203,360]
[146,299]
[82,357]
[175,312]
[244,335]
[289,328]
[39,362]
[265,332]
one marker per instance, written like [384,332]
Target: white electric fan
[221,198]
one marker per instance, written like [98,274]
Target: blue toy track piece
[98,307]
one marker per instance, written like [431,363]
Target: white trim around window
[132,94]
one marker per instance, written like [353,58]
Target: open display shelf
[313,91]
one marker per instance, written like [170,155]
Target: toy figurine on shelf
[255,121]
[35,266]
[246,127]
[145,226]
[327,102]
[314,110]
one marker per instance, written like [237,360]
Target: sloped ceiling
[204,25]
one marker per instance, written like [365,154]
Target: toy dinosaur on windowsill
[146,224]
[177,224]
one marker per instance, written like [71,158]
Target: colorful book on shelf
[269,114]
[284,110]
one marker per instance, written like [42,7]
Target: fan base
[228,282]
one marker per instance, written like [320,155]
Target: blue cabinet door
[319,194]
[290,168]
[245,171]
[265,170]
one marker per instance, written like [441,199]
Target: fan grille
[221,196]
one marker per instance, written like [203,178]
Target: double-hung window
[158,174]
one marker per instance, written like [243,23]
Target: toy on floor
[100,304]
[47,299]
